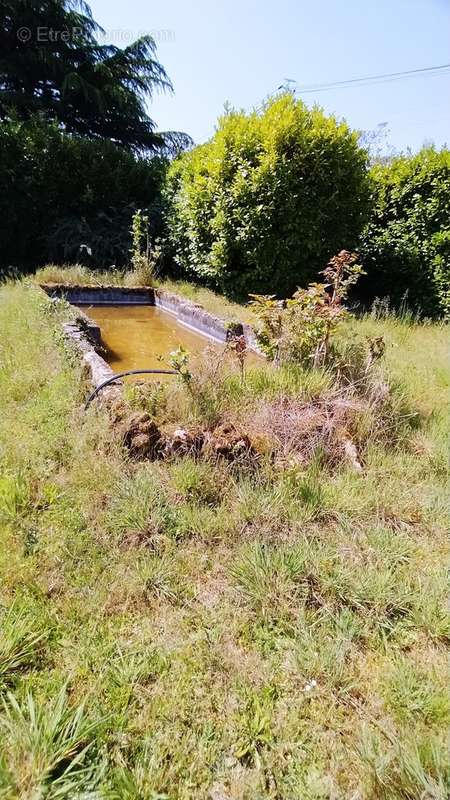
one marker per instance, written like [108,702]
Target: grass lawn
[185,628]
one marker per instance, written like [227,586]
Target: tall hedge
[265,203]
[60,192]
[405,248]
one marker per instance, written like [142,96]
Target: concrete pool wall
[87,334]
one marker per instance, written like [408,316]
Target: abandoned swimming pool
[143,336]
[123,328]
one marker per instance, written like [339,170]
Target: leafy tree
[268,200]
[67,198]
[405,248]
[52,63]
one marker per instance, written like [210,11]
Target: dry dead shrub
[297,431]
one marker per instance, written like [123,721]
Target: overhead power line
[370,79]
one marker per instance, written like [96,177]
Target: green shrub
[405,247]
[264,204]
[70,199]
[301,328]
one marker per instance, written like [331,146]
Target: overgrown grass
[215,303]
[186,629]
[71,275]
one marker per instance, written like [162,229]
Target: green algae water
[141,337]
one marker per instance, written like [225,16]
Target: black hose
[122,375]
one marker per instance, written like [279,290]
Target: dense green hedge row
[405,248]
[259,208]
[274,194]
[66,198]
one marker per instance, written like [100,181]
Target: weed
[77,274]
[149,397]
[301,328]
[21,643]
[143,269]
[414,693]
[158,578]
[198,482]
[14,497]
[47,747]
[406,770]
[141,510]
[270,578]
[205,523]
[137,782]
[137,667]
[254,727]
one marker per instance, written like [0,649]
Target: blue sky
[240,51]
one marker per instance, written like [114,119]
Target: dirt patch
[228,441]
[184,441]
[139,433]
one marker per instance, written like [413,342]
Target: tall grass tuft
[21,642]
[47,748]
